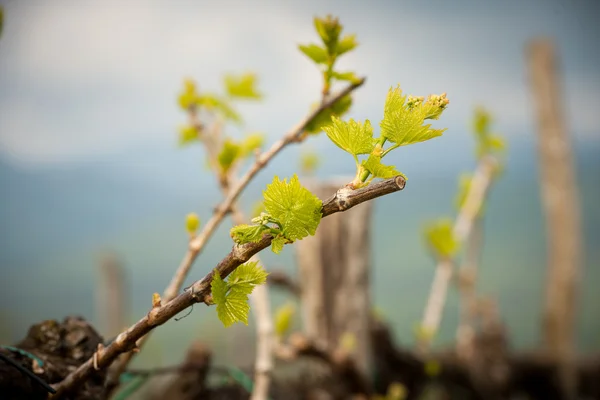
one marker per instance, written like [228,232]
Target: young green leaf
[228,155]
[323,118]
[329,29]
[481,121]
[283,319]
[403,124]
[347,43]
[277,244]
[441,240]
[345,76]
[214,103]
[378,170]
[231,297]
[352,136]
[243,86]
[251,143]
[231,307]
[242,234]
[464,184]
[315,53]
[187,135]
[188,97]
[295,207]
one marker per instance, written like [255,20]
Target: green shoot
[403,124]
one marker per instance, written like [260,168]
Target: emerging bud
[262,219]
[192,222]
[439,101]
[378,150]
[413,101]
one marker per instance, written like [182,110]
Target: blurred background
[90,163]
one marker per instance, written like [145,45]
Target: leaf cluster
[242,87]
[441,239]
[333,45]
[283,319]
[231,295]
[325,55]
[233,151]
[487,143]
[291,213]
[403,124]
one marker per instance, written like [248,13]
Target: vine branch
[461,230]
[228,205]
[262,160]
[344,199]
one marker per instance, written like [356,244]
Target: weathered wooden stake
[335,278]
[559,194]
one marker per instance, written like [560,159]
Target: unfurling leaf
[352,136]
[187,135]
[487,143]
[295,207]
[403,123]
[481,121]
[192,222]
[228,155]
[242,234]
[464,185]
[323,118]
[231,296]
[347,43]
[243,86]
[277,244]
[283,319]
[329,30]
[251,142]
[378,170]
[441,239]
[188,97]
[345,76]
[314,52]
[214,103]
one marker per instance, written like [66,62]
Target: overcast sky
[85,79]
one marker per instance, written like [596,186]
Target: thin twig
[200,290]
[466,285]
[461,230]
[197,244]
[262,160]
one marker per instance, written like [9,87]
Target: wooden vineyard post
[334,270]
[560,201]
[112,304]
